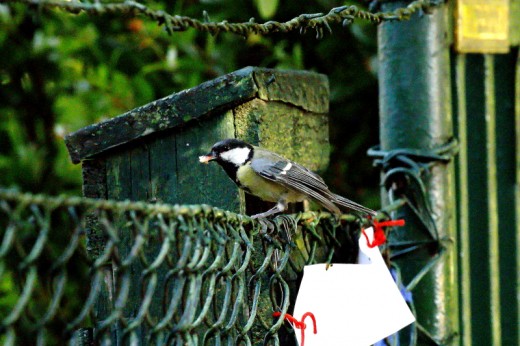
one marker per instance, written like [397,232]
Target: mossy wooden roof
[303,89]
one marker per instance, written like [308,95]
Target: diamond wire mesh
[134,273]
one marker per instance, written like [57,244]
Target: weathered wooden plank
[140,172]
[141,182]
[164,182]
[163,114]
[304,89]
[94,178]
[94,186]
[206,184]
[298,135]
[119,187]
[128,177]
[119,178]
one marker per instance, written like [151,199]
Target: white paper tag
[354,304]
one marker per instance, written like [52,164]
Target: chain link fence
[79,270]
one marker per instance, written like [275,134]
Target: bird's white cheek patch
[237,156]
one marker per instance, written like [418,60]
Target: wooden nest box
[151,152]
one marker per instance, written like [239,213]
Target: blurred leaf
[266,8]
[143,90]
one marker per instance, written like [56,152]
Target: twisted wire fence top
[163,275]
[315,21]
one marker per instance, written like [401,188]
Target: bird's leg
[278,208]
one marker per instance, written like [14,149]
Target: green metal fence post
[415,107]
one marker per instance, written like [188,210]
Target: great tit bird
[274,178]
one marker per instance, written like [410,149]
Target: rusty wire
[318,22]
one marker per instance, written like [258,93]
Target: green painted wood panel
[140,172]
[167,169]
[504,68]
[478,206]
[206,184]
[458,63]
[119,178]
[164,182]
[119,187]
[487,183]
[517,186]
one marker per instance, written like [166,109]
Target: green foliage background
[60,72]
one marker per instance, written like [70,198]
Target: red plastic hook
[299,324]
[379,233]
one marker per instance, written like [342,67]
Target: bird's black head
[230,154]
[229,151]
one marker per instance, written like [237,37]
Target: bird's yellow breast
[265,189]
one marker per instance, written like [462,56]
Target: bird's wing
[293,176]
[345,202]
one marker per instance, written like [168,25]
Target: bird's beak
[206,158]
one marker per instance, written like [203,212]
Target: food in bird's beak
[206,158]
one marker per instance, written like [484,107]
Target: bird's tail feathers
[342,201]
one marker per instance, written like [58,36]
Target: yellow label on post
[482,26]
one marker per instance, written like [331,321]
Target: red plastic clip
[379,233]
[299,324]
